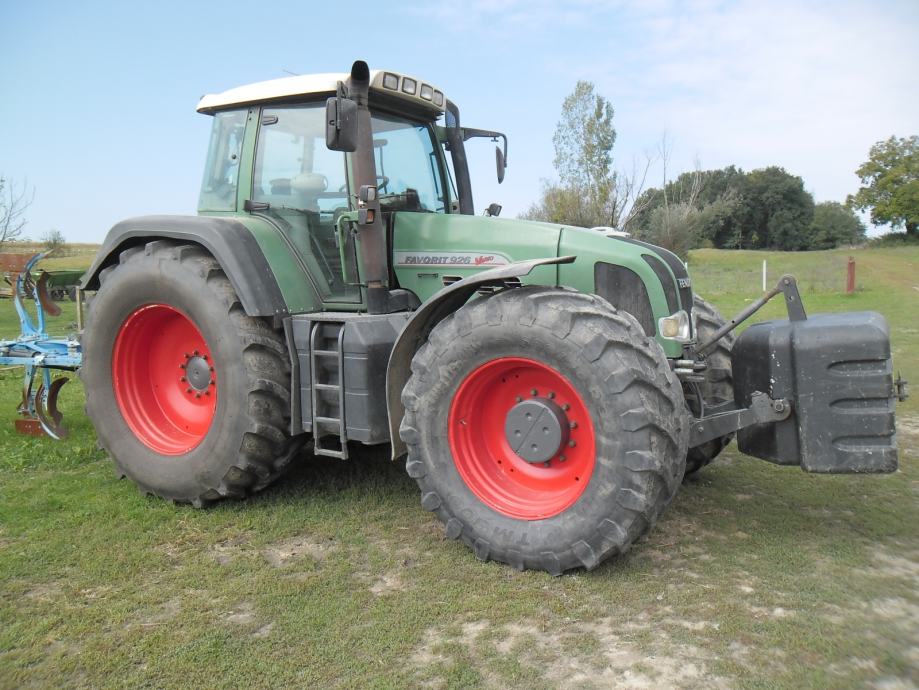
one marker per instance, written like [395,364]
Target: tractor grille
[677,268]
[625,290]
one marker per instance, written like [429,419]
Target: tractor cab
[271,155]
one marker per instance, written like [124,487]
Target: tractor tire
[188,394]
[718,386]
[601,392]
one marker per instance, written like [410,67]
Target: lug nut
[203,356]
[562,458]
[572,444]
[547,464]
[181,366]
[519,399]
[197,395]
[183,379]
[551,396]
[534,392]
[196,353]
[188,390]
[573,425]
[566,407]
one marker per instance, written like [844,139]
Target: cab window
[221,172]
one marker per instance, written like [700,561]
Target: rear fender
[239,251]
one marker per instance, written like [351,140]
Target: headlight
[675,327]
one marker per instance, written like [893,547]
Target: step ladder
[327,387]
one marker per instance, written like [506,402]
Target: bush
[894,239]
[54,240]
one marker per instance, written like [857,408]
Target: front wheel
[544,428]
[188,394]
[718,386]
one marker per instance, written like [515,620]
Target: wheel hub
[198,372]
[536,429]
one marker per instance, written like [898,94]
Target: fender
[435,310]
[230,242]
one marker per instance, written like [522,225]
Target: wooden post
[850,276]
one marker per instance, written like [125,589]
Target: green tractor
[550,385]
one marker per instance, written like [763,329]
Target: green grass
[758,576]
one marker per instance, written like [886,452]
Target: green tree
[584,139]
[717,194]
[588,192]
[890,184]
[778,211]
[835,225]
[673,226]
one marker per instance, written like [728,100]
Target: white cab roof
[303,85]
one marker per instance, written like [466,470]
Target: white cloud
[808,86]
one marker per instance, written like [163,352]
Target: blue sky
[97,99]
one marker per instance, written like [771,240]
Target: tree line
[733,209]
[768,208]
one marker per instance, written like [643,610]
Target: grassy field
[758,576]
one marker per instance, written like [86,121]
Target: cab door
[305,188]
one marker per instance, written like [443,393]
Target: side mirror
[341,124]
[501,163]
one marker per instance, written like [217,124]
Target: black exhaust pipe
[373,244]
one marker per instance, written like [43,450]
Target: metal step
[325,420]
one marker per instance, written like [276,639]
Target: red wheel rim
[485,459]
[164,379]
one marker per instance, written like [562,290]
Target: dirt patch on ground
[283,552]
[395,577]
[596,654]
[894,561]
[264,631]
[388,583]
[909,426]
[161,615]
[226,551]
[242,614]
[45,592]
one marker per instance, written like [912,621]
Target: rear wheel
[718,386]
[544,429]
[188,394]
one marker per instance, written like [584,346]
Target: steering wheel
[382,181]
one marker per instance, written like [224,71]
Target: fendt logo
[470,259]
